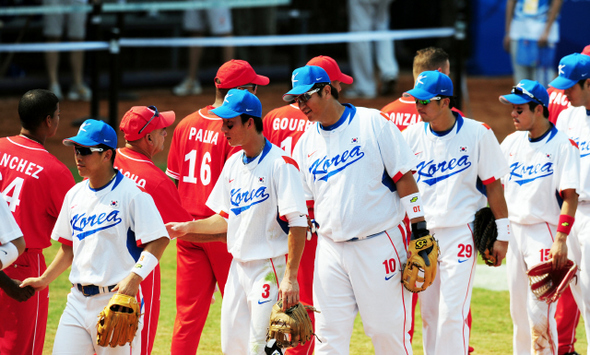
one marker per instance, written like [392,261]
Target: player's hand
[130,285]
[542,42]
[37,283]
[558,251]
[289,292]
[507,43]
[12,289]
[500,250]
[177,229]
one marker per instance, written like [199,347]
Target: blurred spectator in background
[371,15]
[532,32]
[53,29]
[219,22]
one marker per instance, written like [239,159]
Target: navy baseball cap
[93,133]
[526,91]
[430,84]
[572,68]
[237,102]
[303,79]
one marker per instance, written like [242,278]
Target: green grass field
[491,333]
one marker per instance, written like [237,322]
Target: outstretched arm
[497,202]
[62,261]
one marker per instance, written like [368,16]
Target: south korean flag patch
[354,140]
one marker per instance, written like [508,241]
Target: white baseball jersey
[253,197]
[539,169]
[349,170]
[9,230]
[107,228]
[575,123]
[454,168]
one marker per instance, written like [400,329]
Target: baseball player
[34,184]
[145,133]
[458,171]
[112,237]
[356,172]
[12,244]
[573,79]
[197,153]
[258,201]
[541,192]
[283,127]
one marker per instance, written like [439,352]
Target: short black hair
[452,100]
[34,106]
[334,92]
[257,121]
[533,104]
[581,83]
[106,147]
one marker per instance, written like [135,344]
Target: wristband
[296,219]
[147,263]
[504,231]
[8,254]
[413,205]
[565,224]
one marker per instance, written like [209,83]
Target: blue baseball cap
[93,133]
[237,102]
[430,84]
[572,68]
[526,91]
[303,79]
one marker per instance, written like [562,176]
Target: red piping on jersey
[310,203]
[291,161]
[385,116]
[466,351]
[550,233]
[401,228]
[223,214]
[489,181]
[574,144]
[404,235]
[276,276]
[65,241]
[397,176]
[485,125]
[38,299]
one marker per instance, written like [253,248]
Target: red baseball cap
[586,50]
[141,120]
[331,67]
[237,73]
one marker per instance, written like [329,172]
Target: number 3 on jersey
[12,192]
[205,170]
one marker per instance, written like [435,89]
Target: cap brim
[296,91]
[562,83]
[166,119]
[420,94]
[79,141]
[513,99]
[261,80]
[224,112]
[346,79]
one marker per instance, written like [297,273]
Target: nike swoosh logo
[309,155]
[249,109]
[441,90]
[388,277]
[5,253]
[418,153]
[318,78]
[462,261]
[230,181]
[263,302]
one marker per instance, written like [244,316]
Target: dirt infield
[482,105]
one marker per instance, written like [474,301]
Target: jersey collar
[347,115]
[459,121]
[113,183]
[265,150]
[549,135]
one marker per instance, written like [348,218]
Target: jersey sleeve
[492,164]
[397,155]
[60,186]
[9,230]
[289,187]
[169,204]
[146,221]
[297,156]
[173,165]
[218,200]
[62,231]
[569,168]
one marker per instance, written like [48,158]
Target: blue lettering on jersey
[428,170]
[326,167]
[245,200]
[524,174]
[584,147]
[79,223]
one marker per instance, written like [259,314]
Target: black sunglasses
[254,87]
[156,114]
[521,91]
[83,151]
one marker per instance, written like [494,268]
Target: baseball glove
[420,269]
[485,234]
[548,284]
[291,327]
[118,321]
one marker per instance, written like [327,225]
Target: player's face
[576,95]
[88,162]
[54,122]
[234,131]
[310,104]
[522,117]
[158,137]
[430,111]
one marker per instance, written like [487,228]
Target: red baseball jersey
[403,112]
[197,153]
[146,174]
[557,103]
[284,126]
[34,183]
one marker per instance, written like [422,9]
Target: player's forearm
[211,225]
[496,199]
[296,240]
[63,260]
[204,238]
[570,202]
[157,247]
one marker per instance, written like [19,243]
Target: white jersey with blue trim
[454,168]
[254,196]
[9,230]
[348,171]
[539,171]
[575,123]
[106,228]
